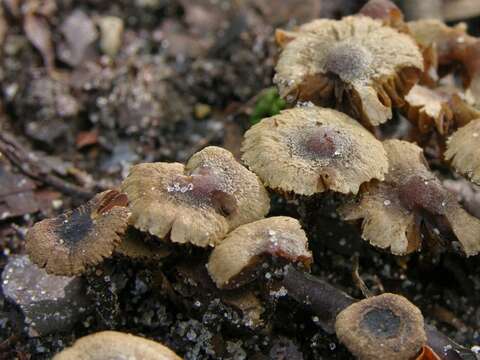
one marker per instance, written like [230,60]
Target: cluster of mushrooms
[343,78]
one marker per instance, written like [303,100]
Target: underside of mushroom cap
[463,150]
[394,210]
[235,261]
[387,326]
[198,203]
[116,345]
[307,150]
[80,238]
[356,61]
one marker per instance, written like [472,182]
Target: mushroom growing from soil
[308,150]
[356,63]
[442,109]
[236,260]
[463,150]
[411,202]
[198,203]
[387,326]
[79,238]
[327,302]
[116,345]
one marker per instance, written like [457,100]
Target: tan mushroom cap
[389,208]
[110,345]
[308,150]
[233,262]
[358,61]
[387,326]
[198,203]
[134,247]
[80,238]
[463,150]
[443,108]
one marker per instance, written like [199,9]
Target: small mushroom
[79,238]
[393,211]
[116,345]
[198,203]
[235,261]
[386,11]
[308,150]
[387,326]
[463,150]
[442,108]
[357,63]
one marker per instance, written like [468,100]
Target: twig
[326,302]
[32,166]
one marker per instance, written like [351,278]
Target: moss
[269,103]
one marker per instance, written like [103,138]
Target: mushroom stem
[326,301]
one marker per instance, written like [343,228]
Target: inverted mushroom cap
[393,210]
[115,345]
[198,203]
[463,150]
[80,238]
[443,108]
[233,262]
[309,150]
[357,60]
[387,326]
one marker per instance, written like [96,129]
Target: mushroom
[442,108]
[235,261]
[393,211]
[463,150]
[308,150]
[79,238]
[387,326]
[357,62]
[135,247]
[116,345]
[198,203]
[386,11]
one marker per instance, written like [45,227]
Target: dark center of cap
[348,60]
[381,323]
[204,186]
[428,194]
[72,228]
[322,143]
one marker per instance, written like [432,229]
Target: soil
[187,74]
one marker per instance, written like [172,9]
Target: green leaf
[268,104]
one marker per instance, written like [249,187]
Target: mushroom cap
[70,243]
[198,203]
[309,150]
[108,345]
[387,326]
[463,150]
[233,262]
[373,64]
[386,11]
[389,209]
[428,108]
[134,247]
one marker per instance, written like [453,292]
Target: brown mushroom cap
[357,60]
[198,203]
[116,345]
[463,150]
[233,262]
[134,247]
[309,150]
[392,210]
[385,10]
[387,326]
[83,237]
[442,108]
